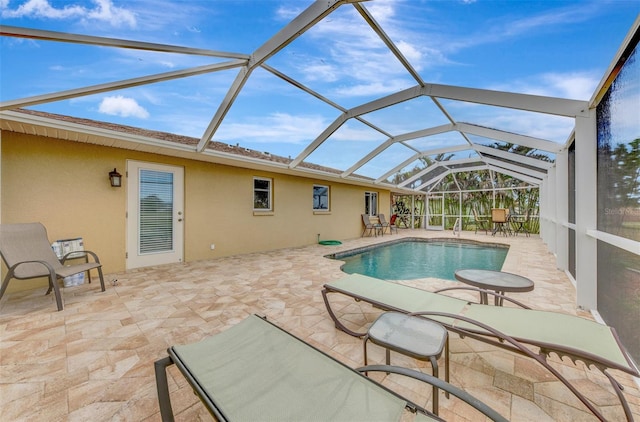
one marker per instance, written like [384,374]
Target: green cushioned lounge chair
[515,329]
[255,371]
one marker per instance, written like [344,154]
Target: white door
[155,214]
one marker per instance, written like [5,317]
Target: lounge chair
[257,371]
[511,328]
[27,253]
[371,228]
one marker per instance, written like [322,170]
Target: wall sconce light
[115,178]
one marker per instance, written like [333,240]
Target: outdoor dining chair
[480,223]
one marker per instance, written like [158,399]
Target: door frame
[428,224]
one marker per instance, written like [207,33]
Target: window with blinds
[156,211]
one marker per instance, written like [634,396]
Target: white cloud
[323,72]
[572,85]
[357,57]
[124,107]
[104,11]
[288,13]
[409,51]
[375,88]
[277,127]
[577,85]
[42,9]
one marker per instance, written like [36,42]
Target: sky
[548,47]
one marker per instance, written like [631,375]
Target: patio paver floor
[94,360]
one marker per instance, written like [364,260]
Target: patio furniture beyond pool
[413,336]
[480,223]
[519,224]
[371,227]
[514,329]
[498,281]
[500,220]
[257,371]
[27,252]
[390,225]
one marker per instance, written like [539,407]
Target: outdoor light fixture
[115,178]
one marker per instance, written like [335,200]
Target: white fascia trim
[91,131]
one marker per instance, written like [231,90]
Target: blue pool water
[409,260]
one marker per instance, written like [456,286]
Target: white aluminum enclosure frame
[550,177]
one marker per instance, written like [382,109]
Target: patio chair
[255,370]
[390,226]
[514,329]
[370,227]
[27,253]
[520,224]
[480,223]
[500,220]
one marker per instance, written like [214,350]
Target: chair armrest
[426,378]
[520,347]
[80,254]
[12,269]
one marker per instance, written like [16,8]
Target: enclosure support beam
[562,210]
[551,210]
[586,211]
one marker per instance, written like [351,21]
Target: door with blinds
[155,214]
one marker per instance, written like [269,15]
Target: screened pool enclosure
[580,190]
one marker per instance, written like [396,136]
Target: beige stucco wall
[65,186]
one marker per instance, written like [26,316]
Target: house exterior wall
[65,186]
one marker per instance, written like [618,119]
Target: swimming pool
[413,258]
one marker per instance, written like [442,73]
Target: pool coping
[350,252]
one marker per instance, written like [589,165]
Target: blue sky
[555,48]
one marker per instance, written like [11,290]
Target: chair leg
[446,363]
[434,371]
[166,413]
[5,282]
[101,278]
[364,346]
[53,283]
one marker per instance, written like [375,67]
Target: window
[156,211]
[262,194]
[371,203]
[320,198]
